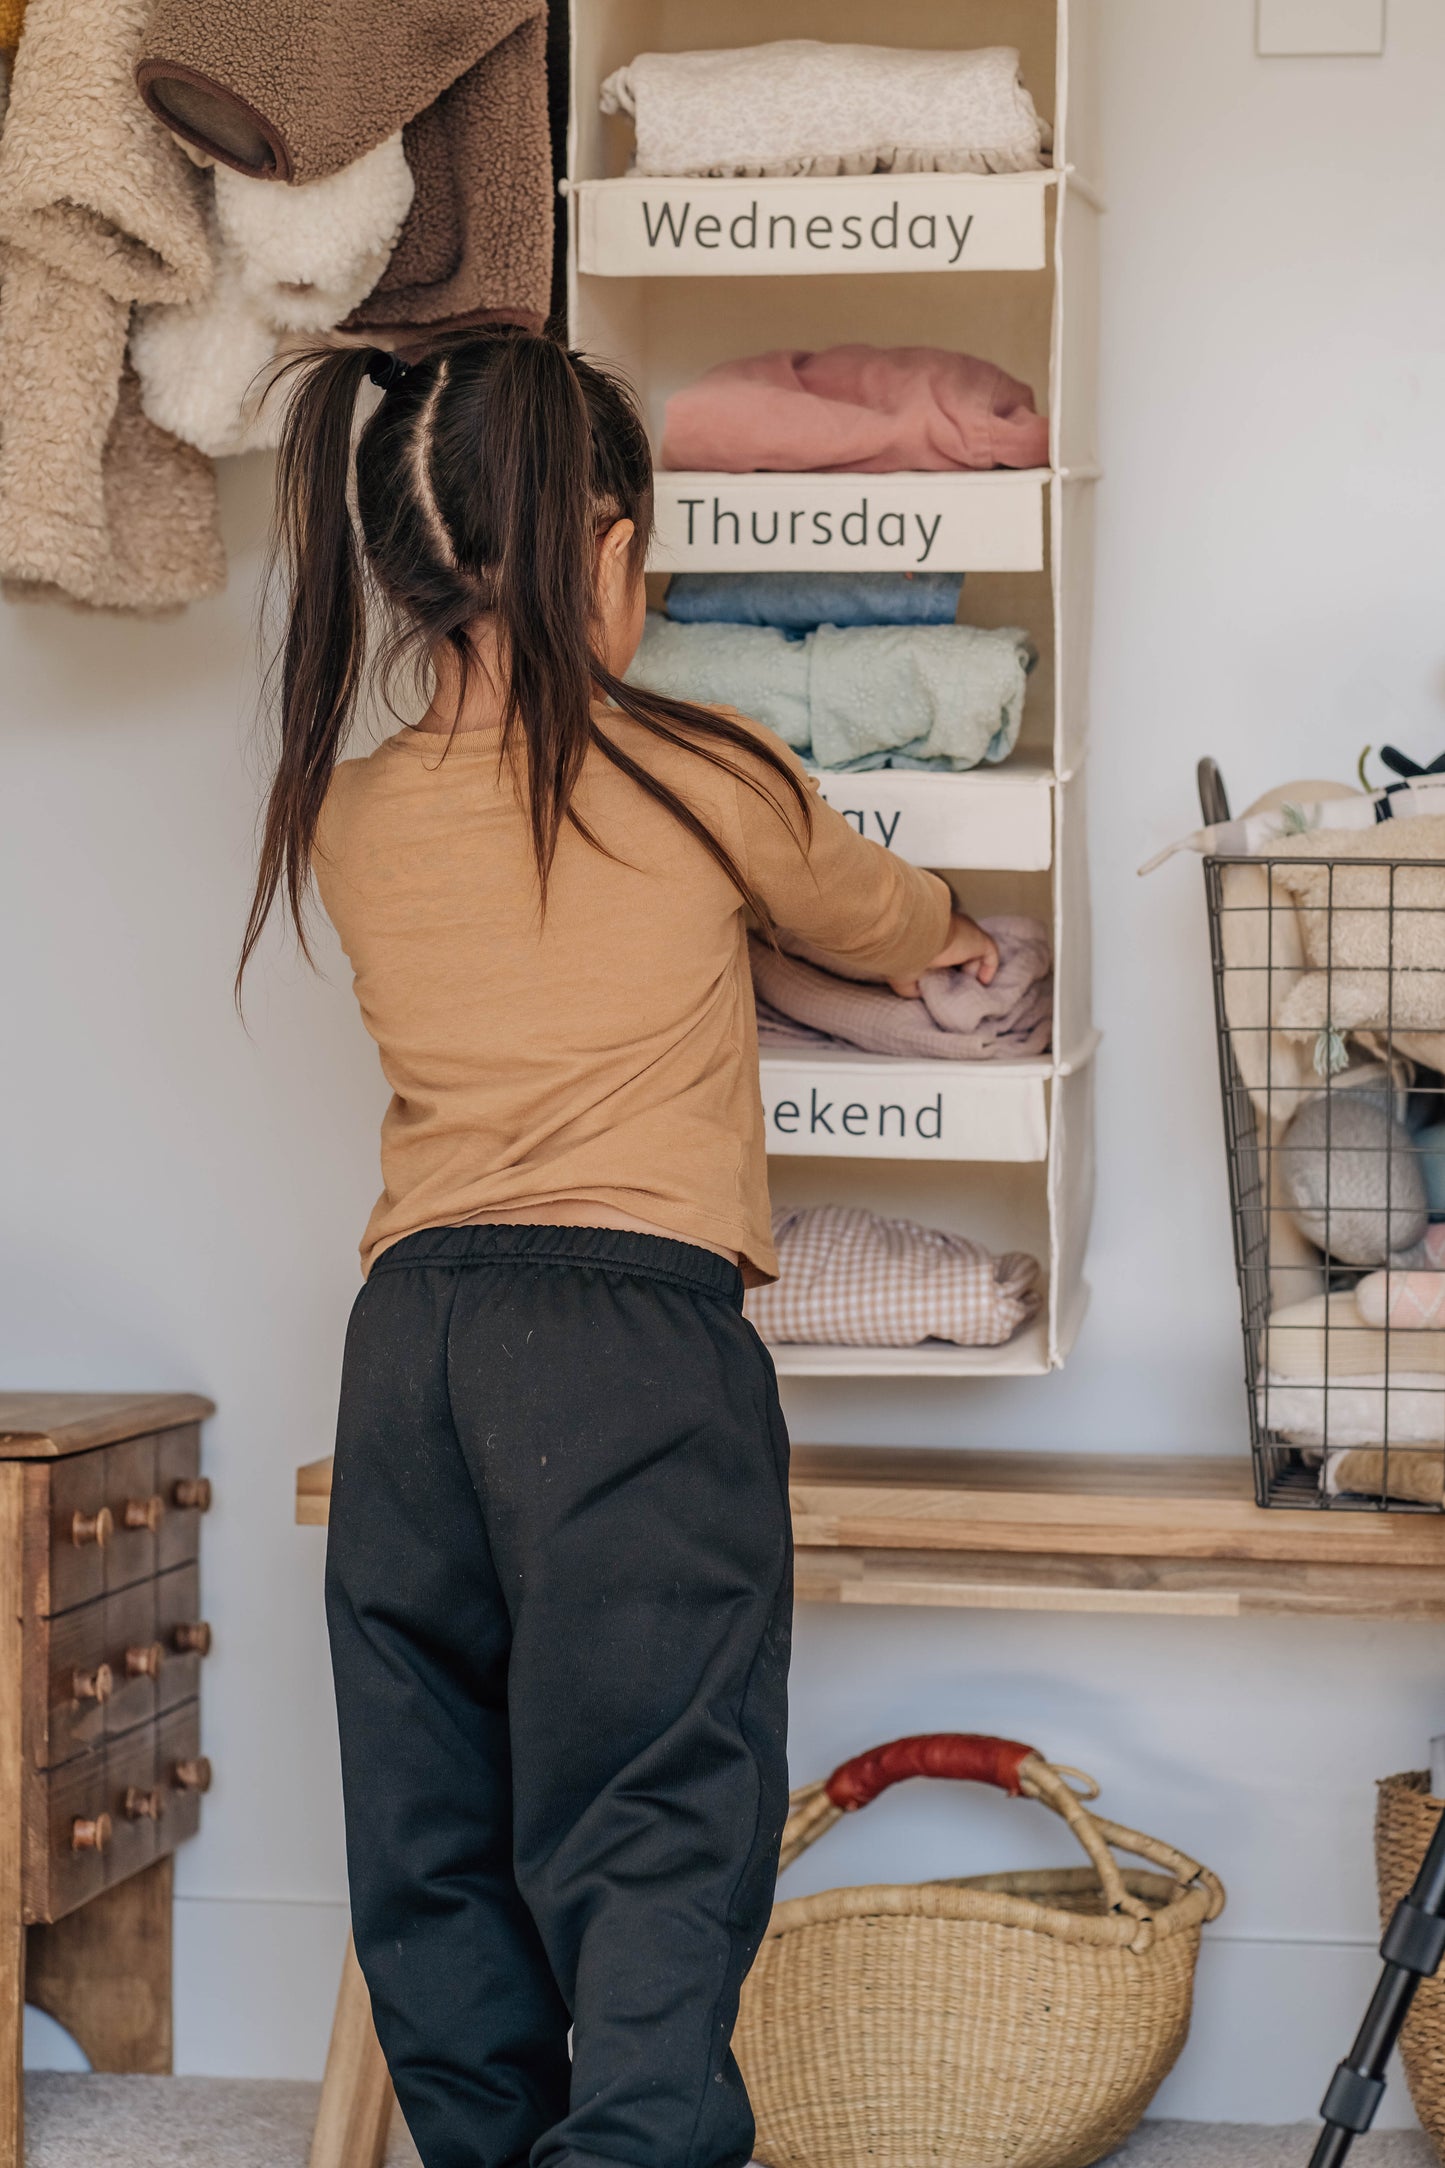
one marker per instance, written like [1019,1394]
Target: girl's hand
[967,946]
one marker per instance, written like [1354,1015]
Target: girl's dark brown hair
[483,480]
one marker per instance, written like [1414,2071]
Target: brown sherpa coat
[295,89]
[95,501]
[98,208]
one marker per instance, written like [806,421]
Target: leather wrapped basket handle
[969,1757]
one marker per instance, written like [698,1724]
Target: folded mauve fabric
[854,410]
[801,106]
[847,1278]
[857,696]
[293,90]
[954,1019]
[801,601]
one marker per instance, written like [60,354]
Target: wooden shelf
[1148,1533]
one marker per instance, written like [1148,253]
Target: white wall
[182,1201]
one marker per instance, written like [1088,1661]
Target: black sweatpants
[559,1594]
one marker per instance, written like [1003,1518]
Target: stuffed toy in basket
[999,2021]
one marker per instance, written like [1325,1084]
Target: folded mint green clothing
[801,601]
[853,696]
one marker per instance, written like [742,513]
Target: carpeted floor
[84,2122]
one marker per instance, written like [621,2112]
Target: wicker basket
[1405,1819]
[1002,2021]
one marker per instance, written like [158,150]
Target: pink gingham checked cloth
[850,1279]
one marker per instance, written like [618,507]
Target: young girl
[558,1575]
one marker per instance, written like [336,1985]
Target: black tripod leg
[1412,1948]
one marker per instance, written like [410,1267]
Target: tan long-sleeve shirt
[604,1056]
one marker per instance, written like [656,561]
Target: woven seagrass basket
[1000,2021]
[1405,1818]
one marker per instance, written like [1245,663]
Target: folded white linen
[800,106]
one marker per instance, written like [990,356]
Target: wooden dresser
[102,1641]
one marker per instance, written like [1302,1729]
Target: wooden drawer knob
[193,1775]
[143,1512]
[192,1493]
[90,1833]
[192,1638]
[144,1662]
[144,1806]
[96,1685]
[97,1528]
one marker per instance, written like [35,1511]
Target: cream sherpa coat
[288,260]
[98,209]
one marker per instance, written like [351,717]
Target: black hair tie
[387,369]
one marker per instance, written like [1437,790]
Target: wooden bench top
[1078,1532]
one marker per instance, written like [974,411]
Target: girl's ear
[613,553]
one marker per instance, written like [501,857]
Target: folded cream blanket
[1330,1380]
[954,1018]
[1325,1337]
[99,209]
[288,260]
[855,696]
[800,106]
[850,1279]
[854,410]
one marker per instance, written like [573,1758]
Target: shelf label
[905,1110]
[849,522]
[982,819]
[639,227]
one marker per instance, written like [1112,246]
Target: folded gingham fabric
[848,1278]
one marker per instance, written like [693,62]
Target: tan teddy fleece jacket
[605,1055]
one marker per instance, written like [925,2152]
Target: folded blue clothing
[801,601]
[862,696]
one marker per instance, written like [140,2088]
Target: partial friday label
[863,523]
[914,222]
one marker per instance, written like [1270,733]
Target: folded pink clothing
[854,410]
[955,1019]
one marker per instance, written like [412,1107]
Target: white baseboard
[256,1980]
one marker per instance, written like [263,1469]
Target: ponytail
[324,650]
[484,480]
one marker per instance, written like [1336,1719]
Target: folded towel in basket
[858,696]
[1326,1338]
[955,1017]
[801,106]
[1408,1409]
[1415,1475]
[854,410]
[801,601]
[1330,1381]
[848,1278]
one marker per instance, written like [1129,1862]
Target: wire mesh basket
[1329,996]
